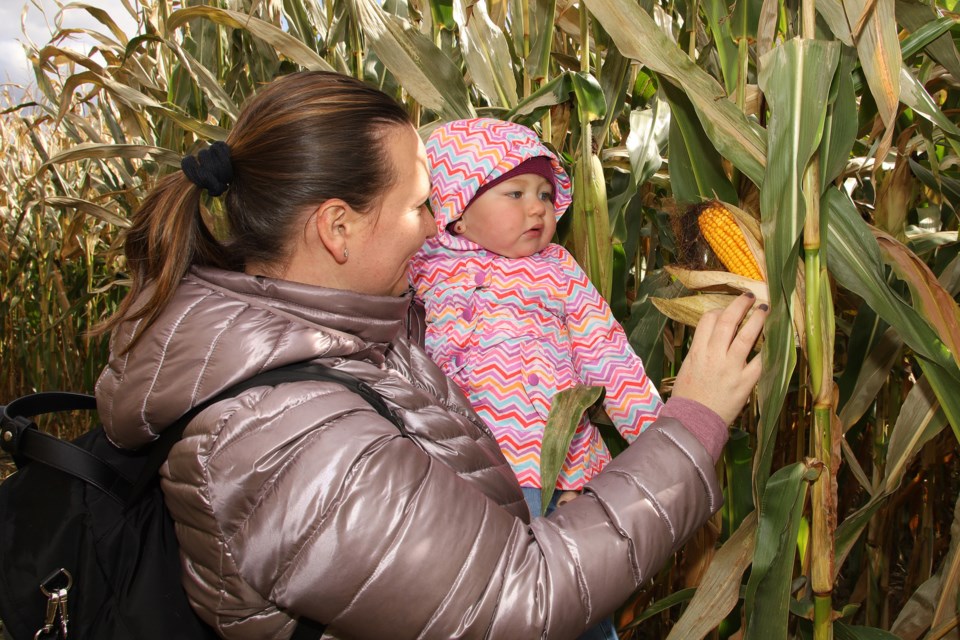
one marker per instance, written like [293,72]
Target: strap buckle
[55,587]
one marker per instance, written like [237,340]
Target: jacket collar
[375,320]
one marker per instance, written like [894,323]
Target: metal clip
[55,587]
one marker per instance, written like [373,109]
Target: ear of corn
[724,236]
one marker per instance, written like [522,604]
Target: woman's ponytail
[168,235]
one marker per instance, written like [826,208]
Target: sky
[14,23]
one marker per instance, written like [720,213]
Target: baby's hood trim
[465,154]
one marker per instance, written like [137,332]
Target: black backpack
[87,547]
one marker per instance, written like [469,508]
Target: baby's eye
[546,196]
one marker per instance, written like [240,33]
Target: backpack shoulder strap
[20,436]
[296,372]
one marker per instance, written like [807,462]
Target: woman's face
[390,236]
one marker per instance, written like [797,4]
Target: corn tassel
[723,234]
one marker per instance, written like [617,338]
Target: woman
[300,500]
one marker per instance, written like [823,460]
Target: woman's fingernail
[749,294]
[763,307]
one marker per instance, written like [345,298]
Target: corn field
[826,129]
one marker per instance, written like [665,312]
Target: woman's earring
[345,253]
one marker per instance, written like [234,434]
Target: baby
[511,317]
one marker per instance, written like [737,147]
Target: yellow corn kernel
[724,236]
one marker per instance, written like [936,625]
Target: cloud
[22,21]
[15,70]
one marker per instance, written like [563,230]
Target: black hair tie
[211,169]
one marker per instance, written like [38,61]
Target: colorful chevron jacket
[512,332]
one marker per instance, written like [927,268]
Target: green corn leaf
[744,19]
[840,126]
[867,328]
[929,297]
[843,631]
[795,78]
[532,108]
[566,409]
[942,184]
[856,263]
[425,71]
[486,52]
[646,325]
[696,171]
[924,243]
[590,99]
[618,267]
[638,37]
[738,467]
[923,22]
[542,26]
[919,421]
[284,43]
[649,129]
[613,80]
[661,605]
[872,372]
[925,35]
[206,81]
[915,96]
[767,599]
[944,384]
[717,12]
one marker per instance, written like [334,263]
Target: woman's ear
[331,221]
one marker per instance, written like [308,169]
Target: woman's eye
[515,194]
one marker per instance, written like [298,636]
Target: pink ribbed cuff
[702,422]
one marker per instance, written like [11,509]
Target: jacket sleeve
[364,530]
[602,355]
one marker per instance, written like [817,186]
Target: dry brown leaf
[937,305]
[719,281]
[689,309]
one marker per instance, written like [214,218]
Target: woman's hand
[715,372]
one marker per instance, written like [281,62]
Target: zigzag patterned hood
[466,154]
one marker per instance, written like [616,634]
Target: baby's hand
[715,372]
[566,497]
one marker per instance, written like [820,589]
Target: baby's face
[515,218]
